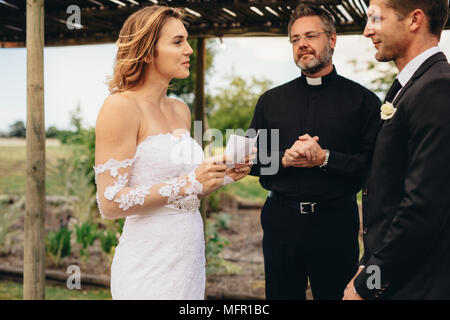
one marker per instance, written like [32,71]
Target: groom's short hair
[435,10]
[306,10]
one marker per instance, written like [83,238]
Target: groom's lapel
[423,68]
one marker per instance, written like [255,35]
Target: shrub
[108,240]
[58,244]
[77,184]
[86,233]
[8,217]
[215,243]
[213,201]
[223,220]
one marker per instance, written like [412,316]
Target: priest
[327,126]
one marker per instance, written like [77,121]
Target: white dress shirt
[406,74]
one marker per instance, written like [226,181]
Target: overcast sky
[77,74]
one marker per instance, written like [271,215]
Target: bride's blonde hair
[137,45]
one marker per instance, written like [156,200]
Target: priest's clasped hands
[304,153]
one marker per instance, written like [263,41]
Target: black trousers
[322,246]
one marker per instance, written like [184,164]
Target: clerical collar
[320,80]
[314,81]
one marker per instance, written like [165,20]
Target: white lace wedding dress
[161,253]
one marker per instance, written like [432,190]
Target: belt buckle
[303,204]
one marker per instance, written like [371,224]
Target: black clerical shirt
[343,114]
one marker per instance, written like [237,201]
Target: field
[13,291]
[13,166]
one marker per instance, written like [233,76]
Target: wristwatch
[327,156]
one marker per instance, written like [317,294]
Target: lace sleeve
[188,202]
[116,199]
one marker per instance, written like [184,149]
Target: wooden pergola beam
[102,19]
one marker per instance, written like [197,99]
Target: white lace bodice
[159,159]
[164,156]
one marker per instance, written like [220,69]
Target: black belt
[309,207]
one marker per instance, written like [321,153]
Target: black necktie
[396,86]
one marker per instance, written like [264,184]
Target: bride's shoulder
[120,102]
[119,106]
[181,108]
[119,112]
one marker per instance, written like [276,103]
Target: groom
[406,201]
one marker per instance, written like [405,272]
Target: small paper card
[238,147]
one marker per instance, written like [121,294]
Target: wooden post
[34,246]
[199,111]
[200,82]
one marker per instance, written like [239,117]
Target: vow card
[238,147]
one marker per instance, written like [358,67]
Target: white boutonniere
[387,111]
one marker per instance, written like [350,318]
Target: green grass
[13,169]
[248,188]
[13,291]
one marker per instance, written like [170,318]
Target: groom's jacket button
[365,230]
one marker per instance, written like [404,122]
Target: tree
[52,132]
[383,74]
[76,118]
[17,129]
[69,136]
[233,107]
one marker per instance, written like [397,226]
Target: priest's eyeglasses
[309,37]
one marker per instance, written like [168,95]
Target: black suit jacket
[406,202]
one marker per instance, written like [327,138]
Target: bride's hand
[240,171]
[238,174]
[211,173]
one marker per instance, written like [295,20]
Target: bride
[148,168]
